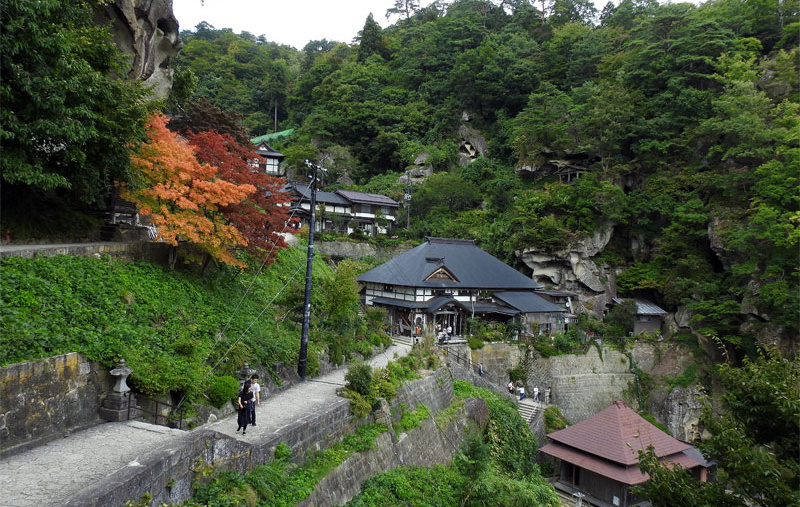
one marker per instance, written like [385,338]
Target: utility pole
[407,197]
[301,363]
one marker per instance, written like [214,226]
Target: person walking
[535,393]
[480,369]
[256,389]
[521,393]
[547,396]
[244,402]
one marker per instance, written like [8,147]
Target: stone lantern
[120,404]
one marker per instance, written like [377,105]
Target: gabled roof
[528,302]
[617,434]
[363,197]
[322,197]
[643,307]
[471,266]
[266,151]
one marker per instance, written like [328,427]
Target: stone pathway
[47,476]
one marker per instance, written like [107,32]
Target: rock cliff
[147,31]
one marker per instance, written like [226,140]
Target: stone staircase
[530,410]
[403,340]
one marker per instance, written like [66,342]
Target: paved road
[49,474]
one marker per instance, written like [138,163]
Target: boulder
[146,31]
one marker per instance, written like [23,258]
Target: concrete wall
[168,472]
[43,400]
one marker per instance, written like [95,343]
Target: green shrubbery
[492,469]
[222,390]
[279,483]
[365,386]
[172,327]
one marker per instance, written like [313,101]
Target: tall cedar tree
[183,197]
[262,214]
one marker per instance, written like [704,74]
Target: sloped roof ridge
[453,241]
[617,433]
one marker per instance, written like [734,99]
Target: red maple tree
[183,197]
[264,213]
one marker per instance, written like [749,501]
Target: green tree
[370,42]
[67,119]
[754,442]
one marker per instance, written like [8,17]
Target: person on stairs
[244,402]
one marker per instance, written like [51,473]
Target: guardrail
[158,418]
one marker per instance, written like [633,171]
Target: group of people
[246,403]
[519,388]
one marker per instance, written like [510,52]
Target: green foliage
[517,373]
[279,483]
[359,379]
[753,442]
[222,390]
[684,379]
[554,420]
[410,420]
[169,326]
[480,475]
[474,342]
[67,119]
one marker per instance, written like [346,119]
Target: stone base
[119,407]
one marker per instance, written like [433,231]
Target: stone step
[403,340]
[529,410]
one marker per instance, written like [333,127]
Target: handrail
[157,413]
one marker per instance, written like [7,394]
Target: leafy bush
[517,373]
[474,342]
[359,379]
[222,389]
[554,420]
[685,379]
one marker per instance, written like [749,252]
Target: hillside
[177,330]
[653,154]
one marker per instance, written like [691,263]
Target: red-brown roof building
[599,456]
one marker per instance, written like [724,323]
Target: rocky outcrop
[572,268]
[679,409]
[473,145]
[147,31]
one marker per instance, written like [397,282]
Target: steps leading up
[403,340]
[529,409]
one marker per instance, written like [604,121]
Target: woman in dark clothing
[244,402]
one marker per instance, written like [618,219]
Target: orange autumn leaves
[183,197]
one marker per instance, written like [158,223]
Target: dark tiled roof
[362,197]
[399,302]
[617,434]
[471,266]
[322,197]
[557,293]
[643,307]
[528,302]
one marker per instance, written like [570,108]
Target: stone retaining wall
[44,400]
[168,472]
[426,445]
